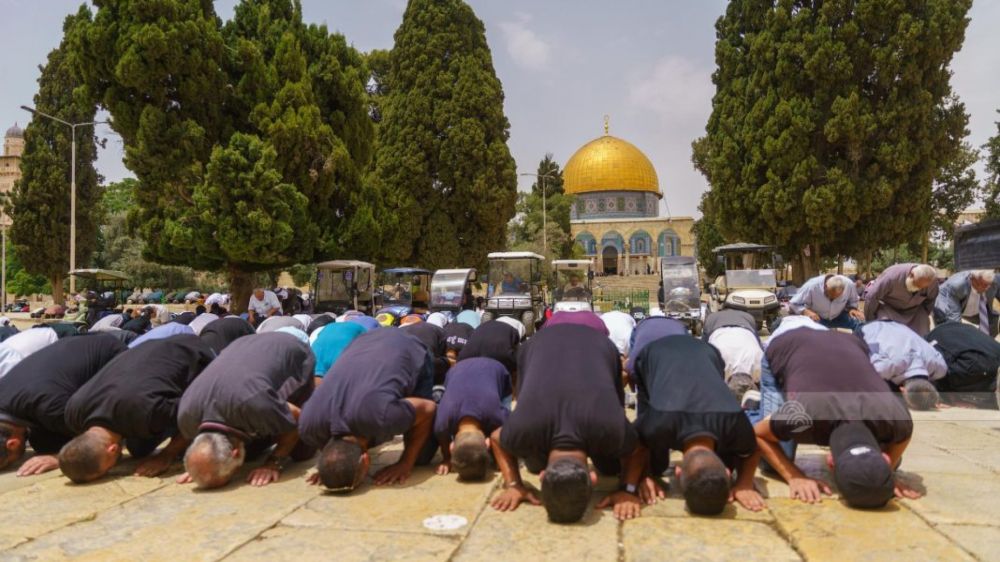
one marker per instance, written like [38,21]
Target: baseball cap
[862,474]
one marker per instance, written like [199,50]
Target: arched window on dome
[669,243]
[640,242]
[587,241]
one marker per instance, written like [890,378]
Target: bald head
[213,458]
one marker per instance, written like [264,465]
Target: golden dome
[609,163]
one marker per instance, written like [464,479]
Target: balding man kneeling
[132,400]
[247,400]
[379,387]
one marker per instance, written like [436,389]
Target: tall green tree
[831,121]
[41,198]
[249,136]
[525,229]
[954,190]
[992,188]
[442,162]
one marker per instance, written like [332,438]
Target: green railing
[622,299]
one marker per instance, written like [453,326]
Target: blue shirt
[162,332]
[898,353]
[331,342]
[812,295]
[475,388]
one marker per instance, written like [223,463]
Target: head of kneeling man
[861,470]
[343,464]
[704,481]
[567,484]
[90,455]
[213,458]
[470,455]
[12,440]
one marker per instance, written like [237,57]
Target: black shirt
[35,392]
[972,357]
[493,339]
[433,339]
[570,397]
[456,335]
[139,324]
[364,393]
[728,318]
[220,333]
[249,385]
[682,392]
[137,393]
[475,389]
[829,380]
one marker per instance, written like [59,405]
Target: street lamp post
[545,234]
[72,188]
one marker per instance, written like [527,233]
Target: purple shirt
[580,317]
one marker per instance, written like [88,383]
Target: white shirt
[8,359]
[109,322]
[29,341]
[739,349]
[202,320]
[265,305]
[216,298]
[789,323]
[620,326]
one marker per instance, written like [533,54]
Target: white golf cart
[750,283]
[515,288]
[343,285]
[571,285]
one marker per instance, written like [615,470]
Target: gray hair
[984,275]
[835,283]
[923,271]
[213,460]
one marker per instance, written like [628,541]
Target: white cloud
[524,45]
[676,90]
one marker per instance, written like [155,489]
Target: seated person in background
[245,401]
[836,399]
[570,407]
[969,296]
[263,304]
[380,387]
[510,285]
[330,343]
[133,399]
[684,405]
[905,360]
[475,404]
[973,361]
[831,300]
[33,398]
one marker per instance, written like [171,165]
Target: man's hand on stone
[748,497]
[185,479]
[509,499]
[808,490]
[38,464]
[153,466]
[443,468]
[264,475]
[623,504]
[650,491]
[393,474]
[904,490]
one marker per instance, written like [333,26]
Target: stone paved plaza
[954,457]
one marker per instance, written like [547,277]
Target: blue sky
[564,64]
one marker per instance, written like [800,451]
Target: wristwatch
[630,488]
[279,463]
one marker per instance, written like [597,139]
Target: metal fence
[622,299]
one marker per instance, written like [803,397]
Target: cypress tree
[442,160]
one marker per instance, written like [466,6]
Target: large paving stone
[526,534]
[657,539]
[982,542]
[176,521]
[832,531]
[10,481]
[303,545]
[957,498]
[51,503]
[396,508]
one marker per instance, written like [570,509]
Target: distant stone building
[969,216]
[10,165]
[615,217]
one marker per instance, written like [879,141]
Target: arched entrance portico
[609,258]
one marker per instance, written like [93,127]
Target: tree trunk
[57,289]
[926,244]
[240,288]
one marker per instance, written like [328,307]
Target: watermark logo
[794,414]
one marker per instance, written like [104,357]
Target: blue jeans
[843,320]
[771,398]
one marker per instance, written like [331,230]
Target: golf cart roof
[343,264]
[408,271]
[742,247]
[678,260]
[455,271]
[572,264]
[100,274]
[514,256]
